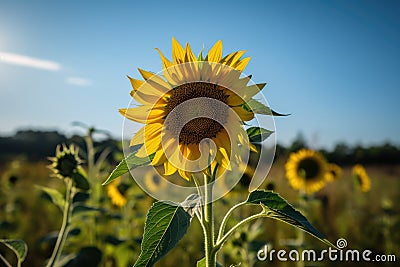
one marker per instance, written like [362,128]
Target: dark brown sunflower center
[309,168]
[66,165]
[196,111]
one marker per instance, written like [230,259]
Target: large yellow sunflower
[193,101]
[362,177]
[306,170]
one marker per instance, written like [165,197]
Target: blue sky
[334,65]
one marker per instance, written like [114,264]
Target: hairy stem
[223,239]
[62,235]
[225,219]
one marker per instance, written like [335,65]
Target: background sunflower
[362,178]
[306,170]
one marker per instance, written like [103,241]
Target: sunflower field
[201,182]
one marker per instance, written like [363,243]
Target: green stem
[6,262]
[225,219]
[222,240]
[62,235]
[208,221]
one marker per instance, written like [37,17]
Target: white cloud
[78,81]
[31,62]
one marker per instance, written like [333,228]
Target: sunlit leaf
[278,208]
[259,108]
[129,162]
[257,134]
[19,247]
[166,224]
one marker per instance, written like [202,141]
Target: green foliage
[19,247]
[129,162]
[278,208]
[259,108]
[166,224]
[56,197]
[80,180]
[257,134]
[202,263]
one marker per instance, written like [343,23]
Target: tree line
[39,145]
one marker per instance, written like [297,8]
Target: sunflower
[193,111]
[116,197]
[66,162]
[305,170]
[154,181]
[334,172]
[362,177]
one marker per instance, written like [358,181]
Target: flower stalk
[65,226]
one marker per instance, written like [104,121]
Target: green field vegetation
[112,235]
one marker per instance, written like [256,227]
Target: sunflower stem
[225,219]
[62,235]
[208,222]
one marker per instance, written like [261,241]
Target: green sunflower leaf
[202,263]
[19,247]
[80,180]
[166,224]
[56,197]
[257,134]
[259,108]
[278,208]
[130,162]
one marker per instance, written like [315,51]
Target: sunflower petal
[178,53]
[243,114]
[143,114]
[215,53]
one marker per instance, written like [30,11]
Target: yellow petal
[143,114]
[149,147]
[232,58]
[135,83]
[147,131]
[241,65]
[243,114]
[184,174]
[169,169]
[215,53]
[155,81]
[178,53]
[233,99]
[159,158]
[189,56]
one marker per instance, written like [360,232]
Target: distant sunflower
[334,172]
[362,177]
[173,134]
[116,197]
[305,170]
[154,181]
[66,162]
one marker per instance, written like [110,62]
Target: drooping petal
[243,114]
[147,131]
[143,114]
[149,147]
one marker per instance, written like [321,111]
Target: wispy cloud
[27,61]
[78,81]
